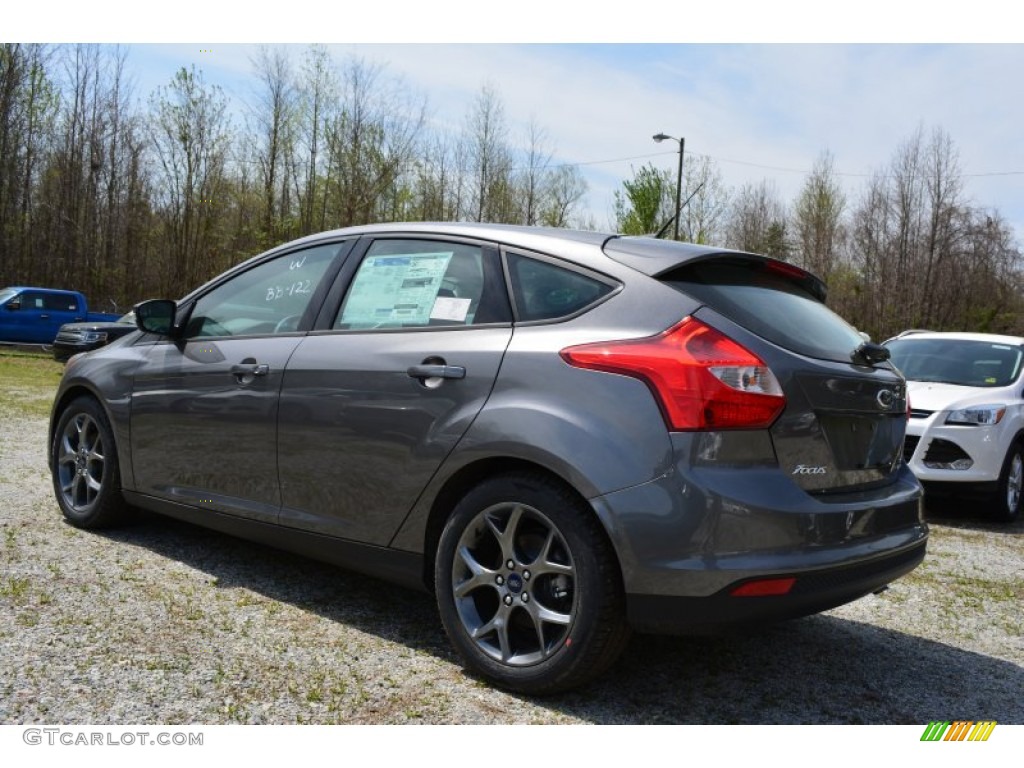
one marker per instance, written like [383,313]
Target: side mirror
[14,304]
[156,316]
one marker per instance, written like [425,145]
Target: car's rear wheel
[528,587]
[1007,502]
[86,475]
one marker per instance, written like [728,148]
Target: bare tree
[319,102]
[703,217]
[275,114]
[190,137]
[757,221]
[817,219]
[28,107]
[923,257]
[564,189]
[489,158]
[370,143]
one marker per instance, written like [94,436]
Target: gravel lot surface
[162,622]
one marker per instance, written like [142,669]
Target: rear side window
[768,303]
[421,283]
[545,291]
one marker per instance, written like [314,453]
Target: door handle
[250,369]
[428,371]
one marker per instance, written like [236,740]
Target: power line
[771,167]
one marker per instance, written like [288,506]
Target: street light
[660,137]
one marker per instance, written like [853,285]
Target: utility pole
[660,137]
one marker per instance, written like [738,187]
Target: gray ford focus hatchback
[564,436]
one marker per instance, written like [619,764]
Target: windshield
[5,294]
[957,361]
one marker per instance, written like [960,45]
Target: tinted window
[61,302]
[419,283]
[31,300]
[767,302]
[269,298]
[545,291]
[950,361]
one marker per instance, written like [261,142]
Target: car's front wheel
[86,475]
[528,587]
[1007,502]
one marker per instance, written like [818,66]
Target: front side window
[421,283]
[953,361]
[31,300]
[269,298]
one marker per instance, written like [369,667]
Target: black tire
[528,587]
[86,475]
[1006,503]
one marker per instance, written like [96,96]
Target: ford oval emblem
[885,398]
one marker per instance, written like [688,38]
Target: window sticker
[448,308]
[390,290]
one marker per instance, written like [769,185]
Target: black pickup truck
[73,338]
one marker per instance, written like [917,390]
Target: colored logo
[958,730]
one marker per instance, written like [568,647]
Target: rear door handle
[427,371]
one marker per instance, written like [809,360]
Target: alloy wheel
[1014,482]
[514,584]
[81,462]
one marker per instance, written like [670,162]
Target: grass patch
[28,382]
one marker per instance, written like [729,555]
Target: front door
[205,408]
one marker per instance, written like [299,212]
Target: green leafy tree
[645,201]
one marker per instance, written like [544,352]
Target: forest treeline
[127,196]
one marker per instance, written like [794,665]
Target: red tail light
[701,378]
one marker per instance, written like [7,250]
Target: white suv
[966,427]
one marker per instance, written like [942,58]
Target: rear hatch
[844,420]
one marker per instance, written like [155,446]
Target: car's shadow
[968,513]
[822,669]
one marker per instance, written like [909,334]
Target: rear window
[956,361]
[770,304]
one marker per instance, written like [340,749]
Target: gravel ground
[162,622]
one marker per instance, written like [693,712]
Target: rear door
[374,400]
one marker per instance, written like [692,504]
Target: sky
[762,89]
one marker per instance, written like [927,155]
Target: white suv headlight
[977,415]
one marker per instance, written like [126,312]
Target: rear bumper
[812,592]
[687,539]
